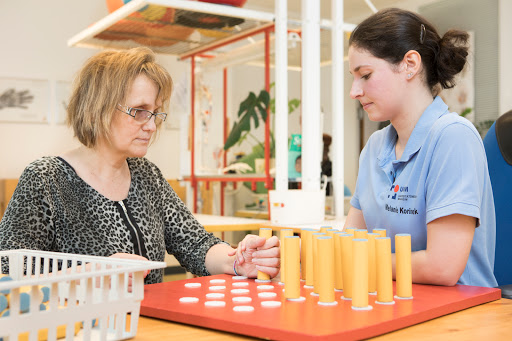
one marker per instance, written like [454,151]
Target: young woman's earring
[409,75]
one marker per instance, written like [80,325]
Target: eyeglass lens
[144,116]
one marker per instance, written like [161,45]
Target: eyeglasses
[143,116]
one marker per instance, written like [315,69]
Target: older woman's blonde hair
[103,83]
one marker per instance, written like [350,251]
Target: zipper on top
[134,230]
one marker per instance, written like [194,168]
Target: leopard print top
[53,209]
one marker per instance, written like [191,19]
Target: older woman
[104,198]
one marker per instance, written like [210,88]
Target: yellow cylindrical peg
[360,233]
[316,262]
[308,265]
[347,265]
[331,232]
[284,233]
[326,270]
[292,267]
[338,266]
[303,247]
[384,271]
[350,230]
[372,264]
[266,233]
[360,279]
[381,232]
[323,229]
[403,266]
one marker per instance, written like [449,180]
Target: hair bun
[451,57]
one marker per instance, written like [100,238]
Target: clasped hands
[255,254]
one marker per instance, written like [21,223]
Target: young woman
[104,198]
[426,173]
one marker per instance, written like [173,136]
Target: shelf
[171,27]
[174,27]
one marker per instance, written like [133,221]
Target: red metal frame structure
[267,179]
[224,134]
[192,133]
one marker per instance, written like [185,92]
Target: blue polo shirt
[442,171]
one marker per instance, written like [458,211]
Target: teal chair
[498,148]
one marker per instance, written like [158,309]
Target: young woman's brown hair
[389,34]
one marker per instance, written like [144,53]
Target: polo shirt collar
[420,132]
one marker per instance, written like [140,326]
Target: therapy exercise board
[239,307]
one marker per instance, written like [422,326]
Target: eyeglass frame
[129,109]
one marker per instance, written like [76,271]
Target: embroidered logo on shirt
[397,192]
[394,191]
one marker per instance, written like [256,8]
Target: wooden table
[330,221]
[490,321]
[255,214]
[215,223]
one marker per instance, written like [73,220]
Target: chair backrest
[7,187]
[498,147]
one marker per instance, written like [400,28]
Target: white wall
[505,51]
[480,17]
[34,36]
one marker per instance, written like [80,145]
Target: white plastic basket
[88,296]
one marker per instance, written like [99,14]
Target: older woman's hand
[130,256]
[255,254]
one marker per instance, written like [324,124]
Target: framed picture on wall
[62,92]
[24,100]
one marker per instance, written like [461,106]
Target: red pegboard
[305,320]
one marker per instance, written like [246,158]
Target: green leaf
[264,97]
[466,112]
[233,137]
[293,104]
[249,108]
[263,112]
[246,103]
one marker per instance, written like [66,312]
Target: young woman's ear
[411,63]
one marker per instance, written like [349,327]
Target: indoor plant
[255,108]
